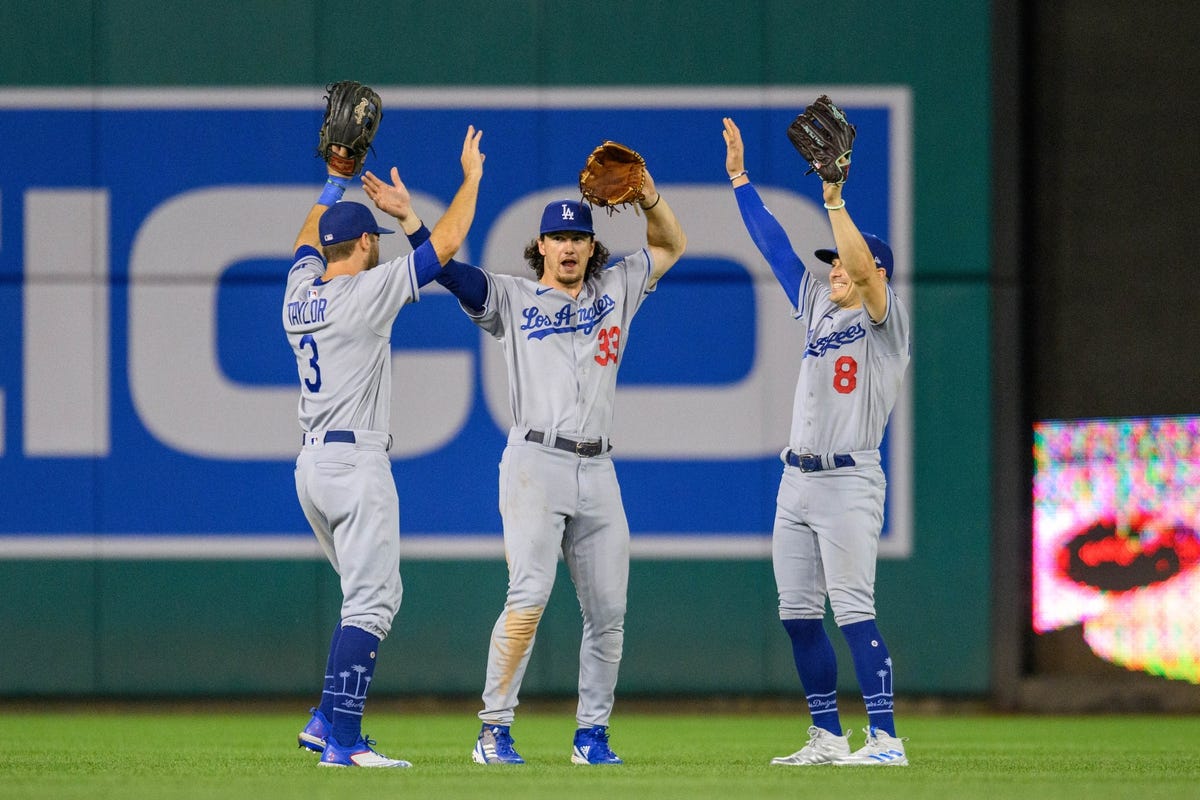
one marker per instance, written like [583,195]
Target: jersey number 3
[308,341]
[845,375]
[609,342]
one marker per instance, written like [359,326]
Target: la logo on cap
[566,215]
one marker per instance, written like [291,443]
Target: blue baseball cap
[347,220]
[567,215]
[879,248]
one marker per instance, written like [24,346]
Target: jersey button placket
[579,345]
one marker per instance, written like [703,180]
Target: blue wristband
[335,187]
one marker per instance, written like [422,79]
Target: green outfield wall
[84,626]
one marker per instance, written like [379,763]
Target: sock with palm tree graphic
[353,666]
[873,666]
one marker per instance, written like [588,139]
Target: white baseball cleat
[361,754]
[881,750]
[823,748]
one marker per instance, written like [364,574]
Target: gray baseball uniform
[562,355]
[829,508]
[850,376]
[340,332]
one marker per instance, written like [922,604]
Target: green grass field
[189,753]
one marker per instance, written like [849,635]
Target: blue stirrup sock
[816,664]
[353,666]
[327,693]
[873,666]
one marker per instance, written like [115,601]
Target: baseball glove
[613,176]
[352,115]
[825,138]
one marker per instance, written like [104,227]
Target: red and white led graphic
[1116,539]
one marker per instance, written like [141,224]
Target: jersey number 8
[845,375]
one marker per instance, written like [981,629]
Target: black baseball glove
[825,138]
[352,115]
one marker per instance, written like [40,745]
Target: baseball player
[829,510]
[338,313]
[563,336]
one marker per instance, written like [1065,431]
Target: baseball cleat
[881,750]
[315,732]
[591,747]
[495,746]
[823,748]
[360,754]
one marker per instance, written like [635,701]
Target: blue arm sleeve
[306,249]
[464,281]
[419,237]
[425,263]
[771,240]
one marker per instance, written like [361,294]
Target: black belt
[582,449]
[335,436]
[807,462]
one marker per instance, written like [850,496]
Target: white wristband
[733,178]
[834,208]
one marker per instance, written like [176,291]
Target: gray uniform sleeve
[636,269]
[387,288]
[891,333]
[495,310]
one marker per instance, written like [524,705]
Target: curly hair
[537,261]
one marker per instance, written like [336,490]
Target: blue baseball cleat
[315,732]
[360,754]
[591,747]
[495,746]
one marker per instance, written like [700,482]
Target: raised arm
[451,230]
[766,232]
[665,238]
[854,254]
[335,186]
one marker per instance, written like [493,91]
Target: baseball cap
[567,215]
[879,248]
[347,220]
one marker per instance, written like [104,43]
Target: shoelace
[873,737]
[600,737]
[503,739]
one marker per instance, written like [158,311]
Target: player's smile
[841,287]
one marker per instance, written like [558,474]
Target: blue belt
[335,436]
[807,462]
[581,449]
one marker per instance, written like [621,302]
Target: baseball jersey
[341,330]
[850,372]
[562,352]
[852,368]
